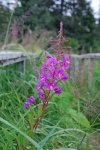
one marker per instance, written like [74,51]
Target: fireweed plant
[53,71]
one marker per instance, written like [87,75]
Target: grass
[64,125]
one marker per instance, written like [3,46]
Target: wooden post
[76,67]
[82,68]
[90,71]
[72,66]
[22,66]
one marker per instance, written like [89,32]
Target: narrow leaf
[26,136]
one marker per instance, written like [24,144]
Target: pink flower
[39,87]
[15,32]
[31,99]
[51,85]
[58,91]
[64,40]
[52,72]
[41,95]
[52,42]
[65,63]
[26,104]
[43,77]
[65,77]
[67,59]
[58,73]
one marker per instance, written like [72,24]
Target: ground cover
[66,123]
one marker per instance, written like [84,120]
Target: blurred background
[34,22]
[28,26]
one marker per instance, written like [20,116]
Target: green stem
[81,142]
[5,42]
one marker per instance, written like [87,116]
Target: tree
[34,13]
[83,22]
[77,16]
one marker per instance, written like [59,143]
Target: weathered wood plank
[86,56]
[9,57]
[76,67]
[11,61]
[90,71]
[22,66]
[82,69]
[91,55]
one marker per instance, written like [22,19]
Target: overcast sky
[95,4]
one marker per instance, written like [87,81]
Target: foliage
[60,127]
[66,122]
[78,18]
[33,15]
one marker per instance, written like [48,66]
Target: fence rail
[78,66]
[7,58]
[77,62]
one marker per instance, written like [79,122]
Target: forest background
[43,16]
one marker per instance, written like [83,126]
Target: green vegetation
[67,122]
[72,120]
[32,17]
[4,19]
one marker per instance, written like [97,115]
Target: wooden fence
[77,62]
[78,66]
[8,57]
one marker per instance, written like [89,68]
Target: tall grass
[64,125]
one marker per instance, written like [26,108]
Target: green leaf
[42,143]
[66,149]
[26,136]
[3,146]
[8,137]
[79,118]
[40,109]
[31,120]
[17,139]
